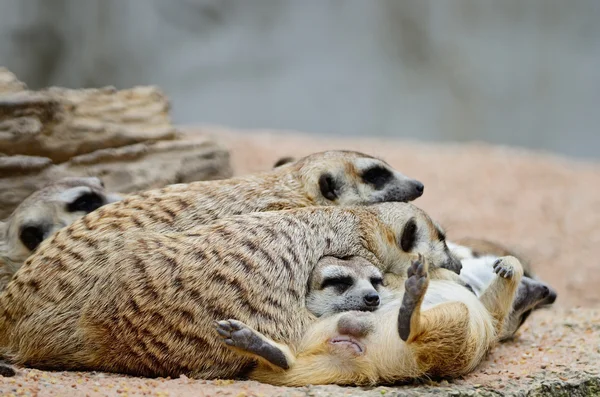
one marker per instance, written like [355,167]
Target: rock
[150,165]
[125,137]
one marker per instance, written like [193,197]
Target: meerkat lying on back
[477,258]
[339,285]
[439,328]
[56,205]
[143,302]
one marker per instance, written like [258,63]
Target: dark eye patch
[377,176]
[409,236]
[341,284]
[87,203]
[31,236]
[441,234]
[376,281]
[328,187]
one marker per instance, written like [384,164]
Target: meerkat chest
[442,291]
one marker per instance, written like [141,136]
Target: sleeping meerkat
[320,179]
[56,205]
[477,258]
[143,302]
[338,285]
[438,328]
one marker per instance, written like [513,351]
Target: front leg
[414,291]
[240,336]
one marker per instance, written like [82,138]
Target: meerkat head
[56,205]
[350,178]
[413,233]
[531,295]
[338,285]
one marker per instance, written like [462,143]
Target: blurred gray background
[517,72]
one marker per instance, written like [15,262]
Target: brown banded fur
[143,302]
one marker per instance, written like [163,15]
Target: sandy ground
[546,207]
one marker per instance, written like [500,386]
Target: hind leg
[240,336]
[498,298]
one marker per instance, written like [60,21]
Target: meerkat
[327,294]
[345,284]
[438,328]
[320,179]
[54,206]
[477,257]
[142,302]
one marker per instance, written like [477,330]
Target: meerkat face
[352,178]
[416,233]
[53,207]
[339,285]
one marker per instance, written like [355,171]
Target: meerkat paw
[504,268]
[239,335]
[415,287]
[416,283]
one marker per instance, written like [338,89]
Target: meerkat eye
[376,281]
[377,176]
[31,236]
[409,235]
[87,203]
[341,284]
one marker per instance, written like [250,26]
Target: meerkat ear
[328,187]
[409,235]
[283,160]
[31,236]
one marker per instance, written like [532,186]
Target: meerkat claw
[503,269]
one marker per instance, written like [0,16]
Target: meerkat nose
[419,187]
[550,295]
[372,299]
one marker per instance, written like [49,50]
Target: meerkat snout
[371,299]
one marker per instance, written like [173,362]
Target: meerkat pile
[277,276]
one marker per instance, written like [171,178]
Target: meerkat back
[326,178]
